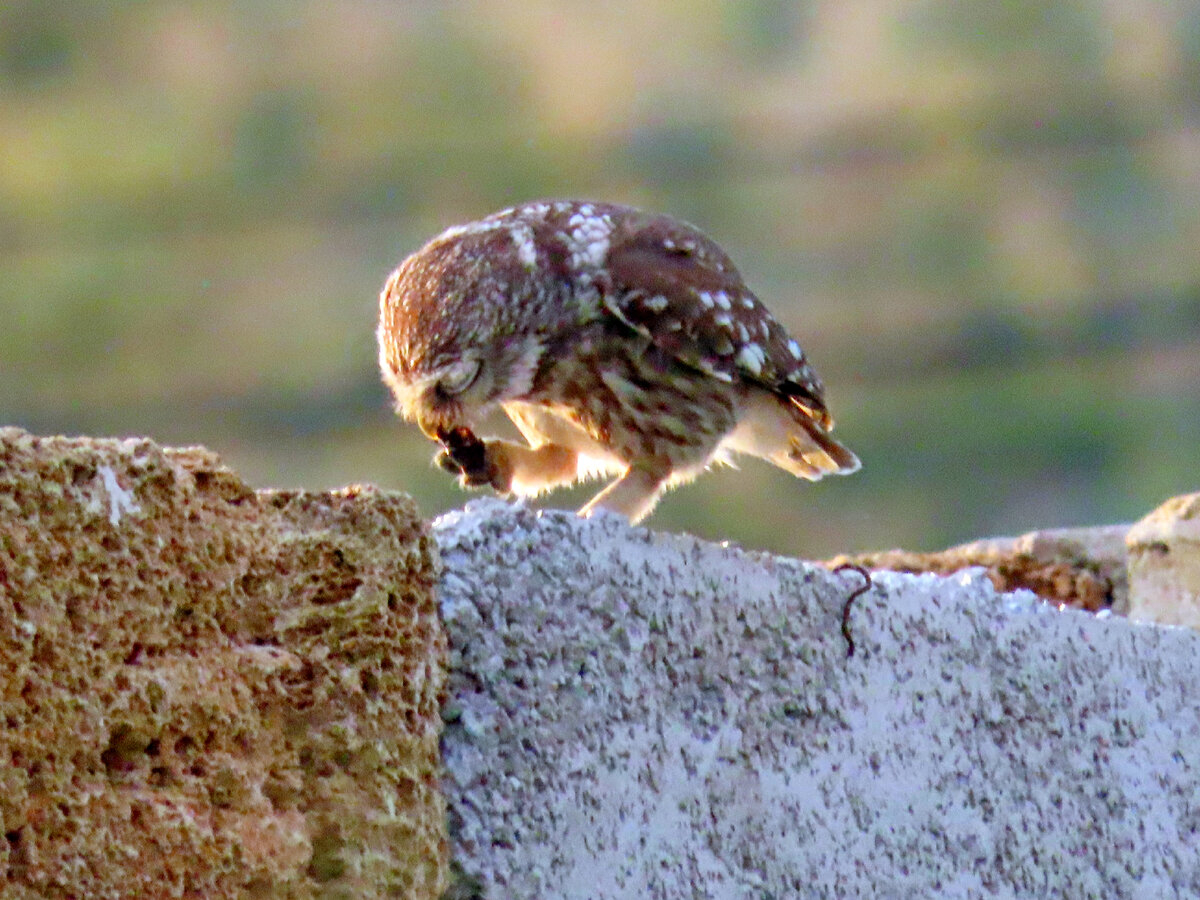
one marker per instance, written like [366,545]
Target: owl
[617,341]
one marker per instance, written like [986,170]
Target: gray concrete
[638,715]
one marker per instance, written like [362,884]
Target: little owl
[618,341]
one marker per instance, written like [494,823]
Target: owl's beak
[434,415]
[429,427]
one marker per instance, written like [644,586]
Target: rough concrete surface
[1164,564]
[208,692]
[642,715]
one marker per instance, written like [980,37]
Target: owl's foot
[504,466]
[476,462]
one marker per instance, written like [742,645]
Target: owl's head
[451,346]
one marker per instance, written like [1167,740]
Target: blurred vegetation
[980,218]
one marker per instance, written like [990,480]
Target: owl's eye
[460,377]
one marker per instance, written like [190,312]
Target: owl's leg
[532,470]
[632,495]
[507,467]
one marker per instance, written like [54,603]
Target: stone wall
[1164,564]
[208,692]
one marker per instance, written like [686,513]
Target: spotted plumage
[617,340]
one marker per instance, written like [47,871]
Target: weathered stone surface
[1084,568]
[643,715]
[1164,564]
[208,692]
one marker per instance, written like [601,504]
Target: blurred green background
[981,218]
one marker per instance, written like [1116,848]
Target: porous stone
[1164,564]
[642,715]
[208,692]
[1084,568]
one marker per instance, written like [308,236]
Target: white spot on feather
[522,236]
[752,358]
[722,300]
[481,227]
[794,349]
[657,303]
[588,238]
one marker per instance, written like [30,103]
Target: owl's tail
[812,453]
[791,436]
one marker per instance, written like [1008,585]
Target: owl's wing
[678,288]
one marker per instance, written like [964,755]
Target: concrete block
[643,715]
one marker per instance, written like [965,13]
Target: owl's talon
[472,460]
[463,454]
[447,463]
[468,476]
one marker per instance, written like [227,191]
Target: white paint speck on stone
[649,715]
[120,501]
